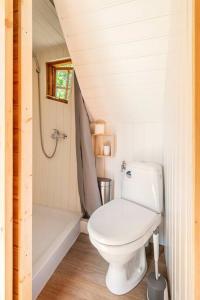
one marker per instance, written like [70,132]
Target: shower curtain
[87,178]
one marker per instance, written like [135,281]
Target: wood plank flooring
[81,276]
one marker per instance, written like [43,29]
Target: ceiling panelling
[120,51]
[47,31]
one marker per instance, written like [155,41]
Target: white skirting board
[83,225]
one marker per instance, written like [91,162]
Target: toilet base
[120,279]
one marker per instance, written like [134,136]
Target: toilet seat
[121,222]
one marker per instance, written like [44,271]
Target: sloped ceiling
[47,31]
[119,49]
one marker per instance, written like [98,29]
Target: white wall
[134,141]
[120,50]
[178,155]
[133,64]
[46,26]
[54,180]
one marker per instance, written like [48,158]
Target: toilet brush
[157,285]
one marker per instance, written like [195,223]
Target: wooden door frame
[22,150]
[23,142]
[6,151]
[197,143]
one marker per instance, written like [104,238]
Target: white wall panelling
[120,51]
[54,180]
[178,154]
[46,27]
[138,141]
[133,61]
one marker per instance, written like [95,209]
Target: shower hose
[40,118]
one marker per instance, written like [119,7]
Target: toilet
[121,228]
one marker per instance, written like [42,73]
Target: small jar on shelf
[106,149]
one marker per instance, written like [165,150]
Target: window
[59,80]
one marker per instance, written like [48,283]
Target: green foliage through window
[63,84]
[61,78]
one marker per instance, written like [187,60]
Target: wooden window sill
[57,99]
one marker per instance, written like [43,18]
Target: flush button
[128,174]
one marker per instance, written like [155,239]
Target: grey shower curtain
[87,178]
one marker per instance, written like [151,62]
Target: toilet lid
[120,222]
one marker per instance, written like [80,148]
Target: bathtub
[54,232]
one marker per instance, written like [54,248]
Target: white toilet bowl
[126,266]
[119,230]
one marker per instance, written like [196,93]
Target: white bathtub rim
[41,262]
[44,274]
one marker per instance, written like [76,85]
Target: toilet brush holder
[156,285]
[157,288]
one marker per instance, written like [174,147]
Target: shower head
[36,63]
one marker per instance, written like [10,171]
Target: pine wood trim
[6,136]
[9,150]
[22,148]
[56,99]
[197,144]
[59,61]
[51,68]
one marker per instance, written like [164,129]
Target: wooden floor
[81,276]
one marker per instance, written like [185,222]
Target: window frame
[51,78]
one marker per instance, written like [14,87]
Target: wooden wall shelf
[98,142]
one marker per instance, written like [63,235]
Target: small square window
[59,80]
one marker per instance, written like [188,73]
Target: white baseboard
[83,225]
